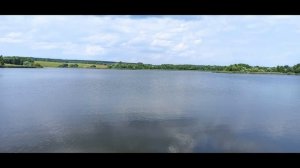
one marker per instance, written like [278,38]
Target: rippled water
[85,110]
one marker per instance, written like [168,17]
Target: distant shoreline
[31,62]
[222,72]
[271,73]
[17,67]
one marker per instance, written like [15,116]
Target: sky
[155,39]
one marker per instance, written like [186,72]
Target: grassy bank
[15,66]
[31,62]
[56,65]
[80,65]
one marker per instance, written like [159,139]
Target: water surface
[86,110]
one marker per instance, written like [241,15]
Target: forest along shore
[31,62]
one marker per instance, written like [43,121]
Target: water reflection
[100,135]
[57,110]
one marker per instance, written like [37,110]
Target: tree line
[24,61]
[244,68]
[67,65]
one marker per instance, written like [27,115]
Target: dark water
[82,110]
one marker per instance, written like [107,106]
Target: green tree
[73,66]
[63,66]
[280,69]
[37,65]
[1,60]
[27,63]
[296,68]
[233,67]
[17,60]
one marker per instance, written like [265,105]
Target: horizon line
[140,62]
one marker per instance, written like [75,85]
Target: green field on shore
[80,65]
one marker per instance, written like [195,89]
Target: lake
[89,110]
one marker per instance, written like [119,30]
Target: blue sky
[206,40]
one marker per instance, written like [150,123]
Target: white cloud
[46,20]
[45,46]
[102,38]
[198,41]
[161,43]
[180,47]
[92,50]
[12,37]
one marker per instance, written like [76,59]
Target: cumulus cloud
[92,50]
[176,17]
[46,46]
[12,37]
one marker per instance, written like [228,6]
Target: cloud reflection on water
[170,135]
